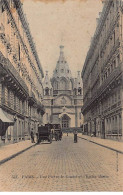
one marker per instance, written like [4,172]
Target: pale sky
[71,23]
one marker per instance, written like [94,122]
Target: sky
[71,23]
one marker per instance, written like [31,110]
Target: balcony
[12,77]
[40,108]
[31,98]
[112,77]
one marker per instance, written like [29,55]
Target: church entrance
[65,121]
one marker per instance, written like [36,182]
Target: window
[118,59]
[115,97]
[119,95]
[106,75]
[3,9]
[19,52]
[108,71]
[74,91]
[8,97]
[114,37]
[62,70]
[47,91]
[55,84]
[79,91]
[111,68]
[114,63]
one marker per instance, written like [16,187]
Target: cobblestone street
[63,166]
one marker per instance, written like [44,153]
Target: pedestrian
[75,136]
[32,137]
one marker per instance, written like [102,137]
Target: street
[63,166]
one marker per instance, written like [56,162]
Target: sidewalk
[111,144]
[10,151]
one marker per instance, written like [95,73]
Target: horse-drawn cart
[44,134]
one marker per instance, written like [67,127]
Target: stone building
[21,75]
[63,96]
[102,75]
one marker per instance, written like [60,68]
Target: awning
[4,118]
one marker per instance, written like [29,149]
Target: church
[63,96]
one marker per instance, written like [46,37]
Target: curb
[16,154]
[102,145]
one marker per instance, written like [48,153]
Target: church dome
[62,68]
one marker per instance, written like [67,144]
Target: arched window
[47,91]
[55,85]
[63,84]
[79,91]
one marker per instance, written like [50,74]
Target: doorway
[65,121]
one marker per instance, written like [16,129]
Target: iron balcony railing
[10,69]
[102,88]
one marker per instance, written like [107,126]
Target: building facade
[63,96]
[21,74]
[102,75]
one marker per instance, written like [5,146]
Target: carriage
[44,134]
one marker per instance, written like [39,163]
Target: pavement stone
[63,166]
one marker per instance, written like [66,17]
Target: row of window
[62,71]
[17,48]
[114,124]
[11,100]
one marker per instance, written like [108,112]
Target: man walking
[32,137]
[75,136]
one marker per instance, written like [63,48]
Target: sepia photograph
[61,95]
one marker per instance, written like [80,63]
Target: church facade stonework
[63,96]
